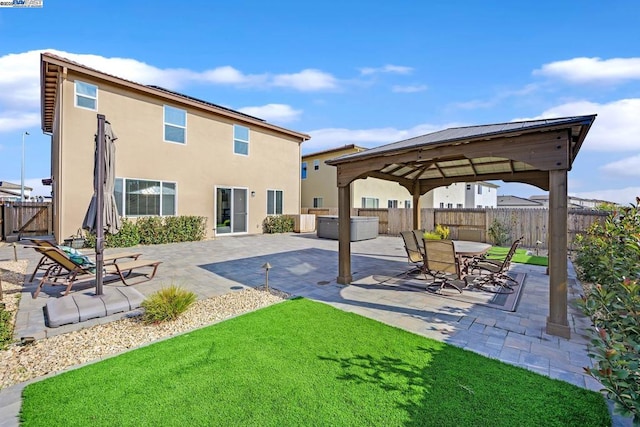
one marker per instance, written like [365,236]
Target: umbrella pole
[100,168]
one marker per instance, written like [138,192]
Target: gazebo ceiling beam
[538,179]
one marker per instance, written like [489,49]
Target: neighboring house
[10,192]
[519,203]
[319,188]
[573,202]
[175,155]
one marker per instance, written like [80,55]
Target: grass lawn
[499,252]
[303,363]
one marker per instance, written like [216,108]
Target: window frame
[122,203]
[376,202]
[303,170]
[275,201]
[174,125]
[316,165]
[318,202]
[392,203]
[240,140]
[76,95]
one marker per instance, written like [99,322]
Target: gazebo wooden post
[344,235]
[557,323]
[416,206]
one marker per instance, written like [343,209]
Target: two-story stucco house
[319,188]
[175,155]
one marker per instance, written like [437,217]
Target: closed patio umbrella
[102,214]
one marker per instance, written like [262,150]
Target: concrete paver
[306,266]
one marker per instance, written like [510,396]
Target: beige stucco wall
[197,167]
[380,189]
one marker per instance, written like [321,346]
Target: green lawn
[499,252]
[302,363]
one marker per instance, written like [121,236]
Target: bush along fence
[504,224]
[154,231]
[608,258]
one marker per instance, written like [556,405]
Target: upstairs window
[479,189]
[392,204]
[318,202]
[274,202]
[241,140]
[175,125]
[370,203]
[407,204]
[304,170]
[86,95]
[316,165]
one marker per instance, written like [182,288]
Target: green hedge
[609,258]
[278,224]
[155,230]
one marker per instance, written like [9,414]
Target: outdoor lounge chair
[45,262]
[495,271]
[414,254]
[64,271]
[441,262]
[419,235]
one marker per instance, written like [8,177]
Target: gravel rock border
[19,363]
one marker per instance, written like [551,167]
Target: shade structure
[112,222]
[102,214]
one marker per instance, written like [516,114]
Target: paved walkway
[306,266]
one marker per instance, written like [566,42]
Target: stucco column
[416,206]
[557,323]
[344,235]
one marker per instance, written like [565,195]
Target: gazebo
[536,152]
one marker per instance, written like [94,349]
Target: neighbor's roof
[348,147]
[52,66]
[517,201]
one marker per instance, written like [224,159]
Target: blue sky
[368,73]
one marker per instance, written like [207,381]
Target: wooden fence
[19,219]
[530,223]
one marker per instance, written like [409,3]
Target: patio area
[303,265]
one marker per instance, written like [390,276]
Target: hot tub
[362,227]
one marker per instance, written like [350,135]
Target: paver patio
[306,266]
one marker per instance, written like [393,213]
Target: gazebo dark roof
[514,151]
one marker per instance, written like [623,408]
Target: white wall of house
[451,196]
[480,195]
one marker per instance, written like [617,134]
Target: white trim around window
[240,140]
[174,125]
[144,197]
[85,95]
[275,202]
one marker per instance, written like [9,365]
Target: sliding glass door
[231,210]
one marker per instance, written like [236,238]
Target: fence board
[26,219]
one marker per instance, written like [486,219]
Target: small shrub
[6,328]
[442,231]
[167,304]
[430,235]
[151,230]
[278,224]
[499,233]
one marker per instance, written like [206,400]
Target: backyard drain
[323,282]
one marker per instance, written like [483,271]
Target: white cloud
[324,139]
[306,80]
[409,89]
[616,128]
[627,167]
[18,120]
[592,70]
[395,69]
[622,196]
[277,113]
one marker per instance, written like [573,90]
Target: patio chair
[496,270]
[441,262]
[45,262]
[419,235]
[414,255]
[65,271]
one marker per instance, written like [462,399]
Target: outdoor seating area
[452,264]
[64,269]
